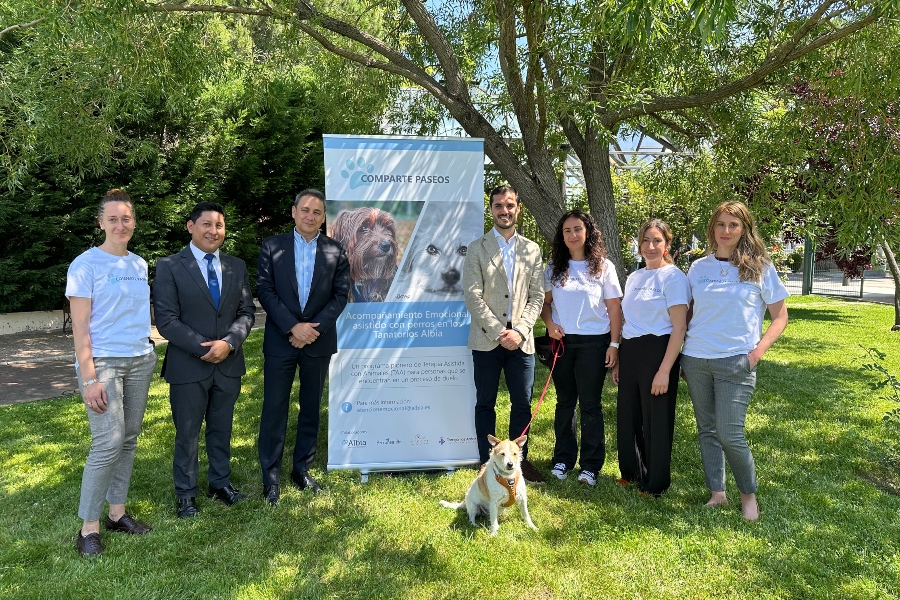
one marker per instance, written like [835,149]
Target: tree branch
[195,8]
[20,26]
[786,52]
[568,124]
[455,79]
[662,141]
[673,126]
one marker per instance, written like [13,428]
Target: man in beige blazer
[504,286]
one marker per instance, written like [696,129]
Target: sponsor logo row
[417,440]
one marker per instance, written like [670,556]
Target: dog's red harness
[510,489]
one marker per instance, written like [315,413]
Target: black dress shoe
[229,494]
[303,480]
[89,545]
[187,507]
[272,493]
[126,524]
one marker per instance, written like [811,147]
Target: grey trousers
[720,391]
[107,472]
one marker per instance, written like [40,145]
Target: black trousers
[578,378]
[279,372]
[212,400]
[645,423]
[518,368]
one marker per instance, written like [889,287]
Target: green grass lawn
[826,462]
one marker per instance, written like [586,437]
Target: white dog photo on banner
[431,270]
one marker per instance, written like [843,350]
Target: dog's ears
[494,441]
[520,442]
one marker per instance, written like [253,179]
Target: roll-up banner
[401,393]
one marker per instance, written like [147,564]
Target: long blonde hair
[749,255]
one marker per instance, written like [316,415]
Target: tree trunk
[895,273]
[598,183]
[543,198]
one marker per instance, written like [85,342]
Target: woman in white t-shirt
[109,295]
[655,306]
[730,288]
[581,308]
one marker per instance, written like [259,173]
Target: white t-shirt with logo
[648,296]
[728,313]
[578,306]
[119,290]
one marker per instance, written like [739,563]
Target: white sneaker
[588,477]
[559,471]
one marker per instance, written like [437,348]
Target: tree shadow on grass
[824,532]
[819,314]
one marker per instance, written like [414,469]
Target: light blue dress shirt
[304,263]
[200,257]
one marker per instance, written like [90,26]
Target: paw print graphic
[355,170]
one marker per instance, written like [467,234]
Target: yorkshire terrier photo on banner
[369,236]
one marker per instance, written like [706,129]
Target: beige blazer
[487,291]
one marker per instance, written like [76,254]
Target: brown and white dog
[369,237]
[498,485]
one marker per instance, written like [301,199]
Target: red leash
[558,349]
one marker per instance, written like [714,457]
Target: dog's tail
[453,505]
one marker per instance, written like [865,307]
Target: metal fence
[822,277]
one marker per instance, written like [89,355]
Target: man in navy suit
[204,307]
[303,282]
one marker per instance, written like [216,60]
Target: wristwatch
[614,344]
[89,382]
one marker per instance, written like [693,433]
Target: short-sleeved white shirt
[119,290]
[649,293]
[728,313]
[579,306]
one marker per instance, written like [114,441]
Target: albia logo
[355,170]
[113,278]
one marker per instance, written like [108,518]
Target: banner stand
[401,394]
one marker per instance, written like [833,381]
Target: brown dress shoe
[126,524]
[89,545]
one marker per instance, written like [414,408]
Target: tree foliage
[528,75]
[245,132]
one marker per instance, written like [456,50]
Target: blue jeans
[518,367]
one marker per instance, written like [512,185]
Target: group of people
[706,324]
[204,308]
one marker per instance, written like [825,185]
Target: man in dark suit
[303,282]
[204,307]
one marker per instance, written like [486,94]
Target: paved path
[36,365]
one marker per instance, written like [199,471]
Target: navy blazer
[276,287]
[186,316]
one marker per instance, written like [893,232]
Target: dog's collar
[510,485]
